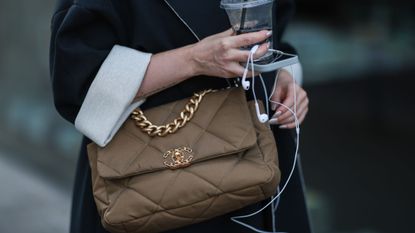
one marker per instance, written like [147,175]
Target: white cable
[277,202]
[235,218]
[274,224]
[274,209]
[265,92]
[297,127]
[261,117]
[246,72]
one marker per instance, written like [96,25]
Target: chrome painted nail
[277,114]
[273,121]
[273,106]
[283,127]
[269,33]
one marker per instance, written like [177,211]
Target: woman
[106,53]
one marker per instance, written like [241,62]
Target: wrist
[191,60]
[284,76]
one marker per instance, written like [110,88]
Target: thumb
[275,98]
[287,99]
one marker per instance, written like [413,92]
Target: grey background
[358,62]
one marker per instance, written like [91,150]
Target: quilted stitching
[202,132]
[211,201]
[166,200]
[203,179]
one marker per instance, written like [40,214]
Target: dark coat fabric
[84,32]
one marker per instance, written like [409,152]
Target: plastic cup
[250,16]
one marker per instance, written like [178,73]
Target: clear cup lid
[240,4]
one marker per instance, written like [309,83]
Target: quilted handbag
[214,158]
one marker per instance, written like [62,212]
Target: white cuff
[108,102]
[296,71]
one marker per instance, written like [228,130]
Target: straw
[241,27]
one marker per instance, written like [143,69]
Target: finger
[287,97]
[301,95]
[284,112]
[273,121]
[277,96]
[274,105]
[237,55]
[287,126]
[292,125]
[242,55]
[249,38]
[302,116]
[286,119]
[276,115]
[254,75]
[262,50]
[291,118]
[274,118]
[229,32]
[235,70]
[302,105]
[302,101]
[288,116]
[275,100]
[288,101]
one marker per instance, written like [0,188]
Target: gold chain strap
[185,116]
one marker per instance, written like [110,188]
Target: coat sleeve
[95,76]
[81,40]
[285,10]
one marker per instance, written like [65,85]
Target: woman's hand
[284,93]
[220,55]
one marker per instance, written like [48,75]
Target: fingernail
[268,44]
[273,106]
[277,114]
[269,33]
[283,127]
[273,121]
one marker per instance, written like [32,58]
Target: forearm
[218,56]
[167,69]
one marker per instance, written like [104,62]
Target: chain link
[185,116]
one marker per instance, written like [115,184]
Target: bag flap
[222,125]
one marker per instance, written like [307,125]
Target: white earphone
[261,117]
[275,198]
[246,84]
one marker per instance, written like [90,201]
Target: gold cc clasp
[180,157]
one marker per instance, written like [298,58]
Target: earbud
[246,84]
[254,49]
[261,117]
[264,118]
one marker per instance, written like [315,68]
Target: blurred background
[358,59]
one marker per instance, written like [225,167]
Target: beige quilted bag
[214,158]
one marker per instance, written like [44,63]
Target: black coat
[83,33]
